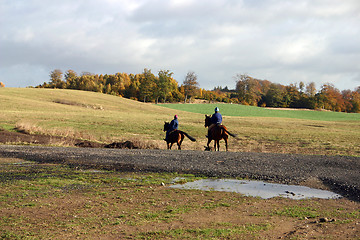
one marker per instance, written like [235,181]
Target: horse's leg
[226,143]
[209,141]
[215,145]
[178,142]
[171,145]
[181,140]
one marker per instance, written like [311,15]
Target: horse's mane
[207,120]
[166,125]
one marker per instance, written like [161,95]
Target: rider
[216,119]
[174,125]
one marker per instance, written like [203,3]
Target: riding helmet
[216,109]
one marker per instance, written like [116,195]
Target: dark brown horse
[176,136]
[217,133]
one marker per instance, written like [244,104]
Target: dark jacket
[174,124]
[216,118]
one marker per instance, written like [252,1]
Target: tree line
[145,86]
[264,93]
[148,87]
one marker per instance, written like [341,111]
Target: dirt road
[340,174]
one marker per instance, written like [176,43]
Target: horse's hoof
[207,148]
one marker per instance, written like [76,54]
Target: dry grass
[46,112]
[69,133]
[32,128]
[73,103]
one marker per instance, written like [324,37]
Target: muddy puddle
[257,189]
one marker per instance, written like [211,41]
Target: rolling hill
[108,118]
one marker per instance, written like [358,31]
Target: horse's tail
[231,134]
[187,135]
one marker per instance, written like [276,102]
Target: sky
[283,41]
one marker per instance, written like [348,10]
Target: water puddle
[93,171]
[22,163]
[257,189]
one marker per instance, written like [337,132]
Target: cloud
[281,41]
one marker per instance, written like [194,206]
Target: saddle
[172,131]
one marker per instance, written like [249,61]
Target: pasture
[237,110]
[107,118]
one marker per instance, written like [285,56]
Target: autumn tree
[163,84]
[2,85]
[352,100]
[191,86]
[133,90]
[291,97]
[310,89]
[274,96]
[330,98]
[147,85]
[71,79]
[248,89]
[301,87]
[56,79]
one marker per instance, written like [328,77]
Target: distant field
[106,118]
[250,111]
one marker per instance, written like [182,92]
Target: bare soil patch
[50,201]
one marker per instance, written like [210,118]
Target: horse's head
[207,120]
[166,126]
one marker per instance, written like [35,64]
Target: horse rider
[216,119]
[174,125]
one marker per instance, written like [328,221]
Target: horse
[176,136]
[218,132]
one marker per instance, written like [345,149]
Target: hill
[107,118]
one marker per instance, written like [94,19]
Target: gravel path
[340,173]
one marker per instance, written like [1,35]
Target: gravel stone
[340,173]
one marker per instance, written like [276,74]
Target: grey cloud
[282,41]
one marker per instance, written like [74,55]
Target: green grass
[231,232]
[237,110]
[108,118]
[55,201]
[298,212]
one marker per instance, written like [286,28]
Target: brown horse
[176,136]
[218,132]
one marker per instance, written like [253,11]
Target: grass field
[237,110]
[108,118]
[54,201]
